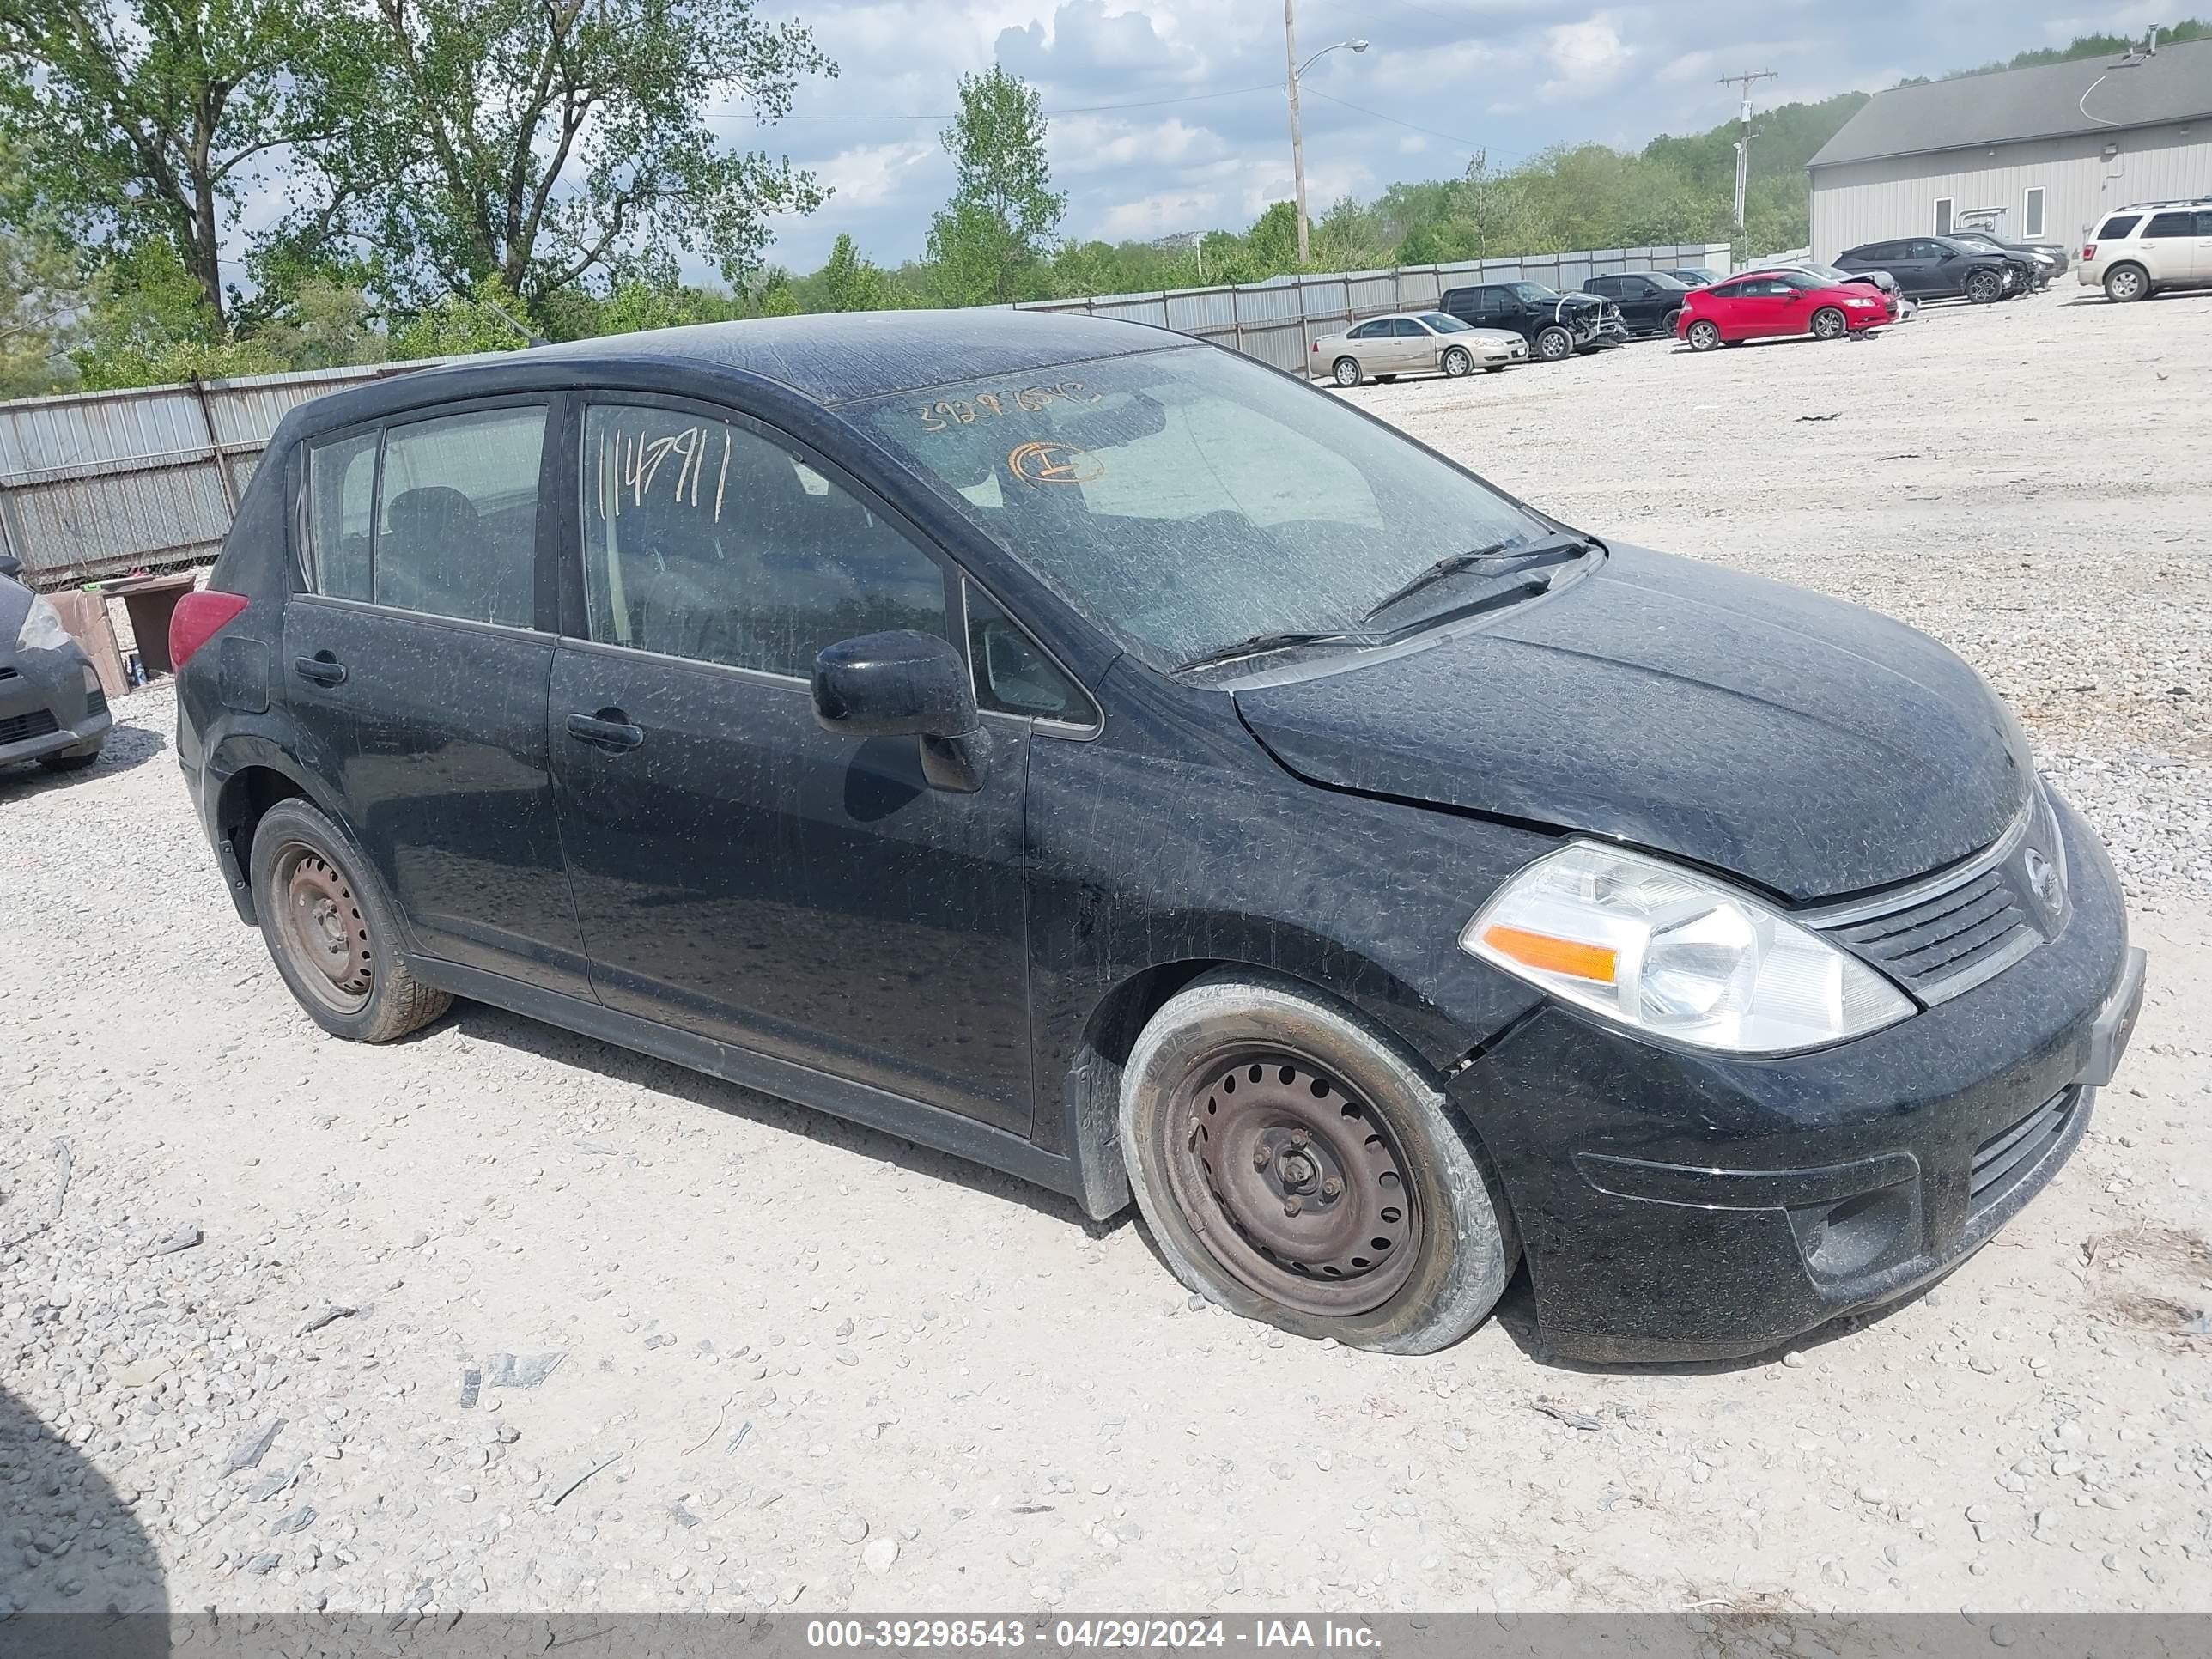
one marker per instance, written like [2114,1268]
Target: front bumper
[1677,1205]
[47,707]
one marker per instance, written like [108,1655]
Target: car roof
[829,359]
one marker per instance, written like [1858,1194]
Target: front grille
[2004,1157]
[1951,934]
[17,728]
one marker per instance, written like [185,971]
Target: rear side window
[1725,291]
[2170,224]
[340,499]
[457,516]
[2119,225]
[705,539]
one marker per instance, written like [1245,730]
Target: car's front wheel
[1457,362]
[2125,283]
[1985,288]
[1828,324]
[1553,344]
[1704,336]
[71,760]
[1672,321]
[1347,371]
[1297,1166]
[332,936]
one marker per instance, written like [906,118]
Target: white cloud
[1586,57]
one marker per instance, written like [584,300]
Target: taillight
[2088,250]
[198,618]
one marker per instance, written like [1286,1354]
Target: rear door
[416,662]
[741,873]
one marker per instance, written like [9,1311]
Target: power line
[1081,109]
[1410,126]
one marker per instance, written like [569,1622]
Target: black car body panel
[1648,301]
[760,899]
[51,701]
[1936,267]
[1719,693]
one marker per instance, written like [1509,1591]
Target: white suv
[2150,246]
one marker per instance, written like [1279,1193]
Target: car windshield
[1535,293]
[1188,498]
[1665,282]
[1444,324]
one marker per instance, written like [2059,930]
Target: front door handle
[322,668]
[607,729]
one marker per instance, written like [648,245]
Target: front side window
[341,502]
[2171,224]
[1405,328]
[706,539]
[1185,499]
[457,516]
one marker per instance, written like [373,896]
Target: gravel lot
[273,1308]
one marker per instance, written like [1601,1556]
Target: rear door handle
[605,733]
[322,668]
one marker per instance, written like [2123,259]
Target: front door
[740,873]
[1413,347]
[416,670]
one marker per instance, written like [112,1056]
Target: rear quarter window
[2119,225]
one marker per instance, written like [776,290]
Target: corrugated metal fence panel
[1202,311]
[113,521]
[47,435]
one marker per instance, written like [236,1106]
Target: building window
[2031,213]
[1942,216]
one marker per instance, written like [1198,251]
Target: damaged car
[1102,756]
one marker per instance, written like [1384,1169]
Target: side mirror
[905,684]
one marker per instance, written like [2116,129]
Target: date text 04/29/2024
[1085,1634]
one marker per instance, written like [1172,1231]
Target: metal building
[2031,154]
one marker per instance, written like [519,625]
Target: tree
[552,143]
[456,323]
[851,283]
[43,292]
[154,120]
[989,243]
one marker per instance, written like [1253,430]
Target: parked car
[1938,267]
[1694,276]
[52,709]
[1766,305]
[2046,262]
[1556,325]
[1109,759]
[1649,301]
[2150,246]
[1415,343]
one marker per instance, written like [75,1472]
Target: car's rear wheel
[1297,1166]
[330,932]
[1705,335]
[1347,371]
[1828,324]
[1554,344]
[2126,282]
[1985,288]
[1457,362]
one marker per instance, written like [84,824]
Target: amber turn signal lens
[1554,956]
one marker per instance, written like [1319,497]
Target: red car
[1764,305]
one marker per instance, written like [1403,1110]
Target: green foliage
[990,243]
[2082,45]
[44,292]
[849,282]
[491,317]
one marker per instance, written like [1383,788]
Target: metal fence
[99,483]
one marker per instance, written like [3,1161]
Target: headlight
[1663,950]
[42,629]
[1861,304]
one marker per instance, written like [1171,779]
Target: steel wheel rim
[1555,345]
[320,923]
[1296,1186]
[1457,362]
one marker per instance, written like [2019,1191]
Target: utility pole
[1743,144]
[1297,137]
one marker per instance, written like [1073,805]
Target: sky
[1440,80]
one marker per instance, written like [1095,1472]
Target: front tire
[1704,336]
[2124,284]
[1297,1166]
[1457,363]
[69,762]
[329,932]
[1555,344]
[1672,322]
[1829,323]
[1985,288]
[1347,371]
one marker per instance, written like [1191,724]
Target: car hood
[1802,743]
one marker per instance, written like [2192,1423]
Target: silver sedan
[1415,343]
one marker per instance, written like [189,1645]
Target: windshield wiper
[1259,643]
[1498,557]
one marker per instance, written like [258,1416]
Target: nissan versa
[1114,761]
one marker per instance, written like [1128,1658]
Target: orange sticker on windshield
[1047,462]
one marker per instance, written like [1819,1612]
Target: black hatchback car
[1103,756]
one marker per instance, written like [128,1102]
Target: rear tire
[1829,323]
[2124,284]
[1457,363]
[1985,288]
[328,930]
[1705,335]
[1265,1203]
[1347,371]
[1555,344]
